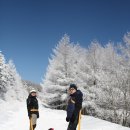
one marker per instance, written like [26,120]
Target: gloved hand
[38,115]
[29,115]
[67,119]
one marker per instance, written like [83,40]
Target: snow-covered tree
[59,73]
[124,82]
[102,73]
[3,76]
[11,86]
[15,87]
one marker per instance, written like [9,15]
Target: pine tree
[59,73]
[3,76]
[15,87]
[11,86]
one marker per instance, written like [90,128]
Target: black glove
[29,115]
[38,115]
[67,119]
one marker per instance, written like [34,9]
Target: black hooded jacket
[32,103]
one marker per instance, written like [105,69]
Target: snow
[14,117]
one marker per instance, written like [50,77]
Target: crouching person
[32,107]
[74,107]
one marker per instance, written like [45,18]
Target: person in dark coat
[32,107]
[74,106]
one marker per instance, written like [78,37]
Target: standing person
[74,106]
[32,107]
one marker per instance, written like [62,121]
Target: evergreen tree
[59,73]
[3,76]
[15,87]
[11,86]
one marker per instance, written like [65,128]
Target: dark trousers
[73,125]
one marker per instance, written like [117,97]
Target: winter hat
[33,91]
[73,86]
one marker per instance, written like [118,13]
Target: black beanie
[73,86]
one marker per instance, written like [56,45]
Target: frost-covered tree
[112,86]
[124,82]
[11,86]
[15,88]
[101,72]
[107,79]
[86,77]
[59,73]
[3,76]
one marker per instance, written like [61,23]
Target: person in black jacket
[74,106]
[32,107]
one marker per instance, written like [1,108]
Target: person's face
[33,94]
[72,90]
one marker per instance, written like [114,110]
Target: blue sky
[30,29]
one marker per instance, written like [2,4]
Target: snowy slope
[14,117]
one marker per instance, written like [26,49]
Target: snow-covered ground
[13,116]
